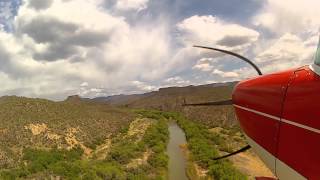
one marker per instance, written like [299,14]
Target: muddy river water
[177,161]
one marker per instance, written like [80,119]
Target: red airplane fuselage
[280,116]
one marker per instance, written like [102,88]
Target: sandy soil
[73,142]
[250,164]
[138,127]
[139,161]
[37,129]
[102,150]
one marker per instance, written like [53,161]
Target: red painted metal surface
[294,97]
[300,147]
[261,129]
[264,94]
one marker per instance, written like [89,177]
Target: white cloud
[84,84]
[204,64]
[225,74]
[58,50]
[289,16]
[88,15]
[294,25]
[96,90]
[53,52]
[215,32]
[287,52]
[177,80]
[131,4]
[210,30]
[203,67]
[143,87]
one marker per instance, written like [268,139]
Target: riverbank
[203,146]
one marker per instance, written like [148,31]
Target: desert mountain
[172,98]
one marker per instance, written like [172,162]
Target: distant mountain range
[172,98]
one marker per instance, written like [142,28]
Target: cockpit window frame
[317,57]
[315,67]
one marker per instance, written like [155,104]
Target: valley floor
[140,151]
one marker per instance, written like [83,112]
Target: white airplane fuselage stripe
[278,167]
[258,112]
[279,119]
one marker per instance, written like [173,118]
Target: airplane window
[317,61]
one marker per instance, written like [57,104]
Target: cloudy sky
[55,48]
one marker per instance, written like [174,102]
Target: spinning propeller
[225,102]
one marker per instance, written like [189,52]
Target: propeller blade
[233,54]
[225,102]
[234,153]
[217,103]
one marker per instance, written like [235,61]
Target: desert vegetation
[77,139]
[153,144]
[40,123]
[128,157]
[67,164]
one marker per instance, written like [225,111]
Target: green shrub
[202,151]
[141,172]
[40,160]
[8,175]
[60,162]
[159,160]
[202,143]
[66,169]
[124,152]
[223,170]
[14,174]
[109,171]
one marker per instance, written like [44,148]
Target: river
[177,161]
